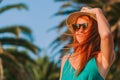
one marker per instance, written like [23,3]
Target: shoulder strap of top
[64,59]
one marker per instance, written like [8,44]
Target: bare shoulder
[64,58]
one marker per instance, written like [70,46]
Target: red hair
[90,46]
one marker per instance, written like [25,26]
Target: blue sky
[39,18]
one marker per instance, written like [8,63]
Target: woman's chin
[80,41]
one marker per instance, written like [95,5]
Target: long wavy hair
[89,47]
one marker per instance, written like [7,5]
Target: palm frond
[8,57]
[115,8]
[51,29]
[64,12]
[65,5]
[61,25]
[17,6]
[59,42]
[47,69]
[12,72]
[19,42]
[21,56]
[11,61]
[16,30]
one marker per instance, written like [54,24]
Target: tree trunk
[1,66]
[1,70]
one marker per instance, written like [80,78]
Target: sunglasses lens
[74,26]
[77,26]
[85,25]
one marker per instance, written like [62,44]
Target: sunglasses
[77,26]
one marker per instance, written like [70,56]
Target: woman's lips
[80,35]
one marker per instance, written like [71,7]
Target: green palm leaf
[16,62]
[22,56]
[10,58]
[66,5]
[17,6]
[19,42]
[47,69]
[64,12]
[16,30]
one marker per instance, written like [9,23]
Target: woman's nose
[81,29]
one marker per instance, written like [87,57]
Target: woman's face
[81,25]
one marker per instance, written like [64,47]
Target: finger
[83,10]
[86,8]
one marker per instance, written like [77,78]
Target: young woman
[93,46]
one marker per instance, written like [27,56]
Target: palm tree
[14,59]
[111,10]
[46,70]
[18,68]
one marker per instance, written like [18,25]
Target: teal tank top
[90,71]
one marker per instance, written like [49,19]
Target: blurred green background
[32,36]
